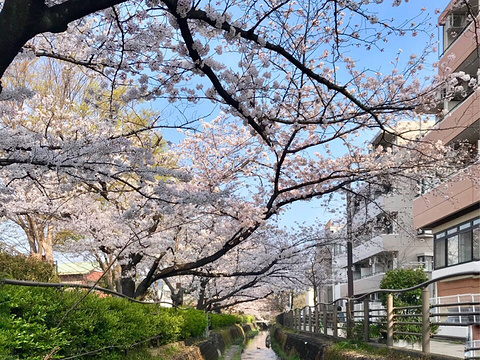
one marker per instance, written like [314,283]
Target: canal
[257,350]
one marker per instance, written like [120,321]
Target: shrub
[21,267]
[402,279]
[195,322]
[247,319]
[222,320]
[30,317]
[33,323]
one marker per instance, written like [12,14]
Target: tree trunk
[127,282]
[48,245]
[128,286]
[40,244]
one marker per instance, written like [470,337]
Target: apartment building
[450,210]
[380,219]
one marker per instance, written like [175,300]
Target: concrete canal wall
[309,346]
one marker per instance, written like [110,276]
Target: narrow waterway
[257,350]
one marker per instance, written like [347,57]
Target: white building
[382,232]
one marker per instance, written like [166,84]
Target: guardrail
[368,320]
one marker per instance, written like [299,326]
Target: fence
[366,320]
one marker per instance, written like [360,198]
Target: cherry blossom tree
[290,104]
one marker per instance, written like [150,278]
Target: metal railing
[367,320]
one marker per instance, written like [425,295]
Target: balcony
[446,199]
[376,245]
[393,202]
[456,21]
[462,115]
[368,283]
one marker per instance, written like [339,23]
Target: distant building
[380,218]
[83,273]
[450,210]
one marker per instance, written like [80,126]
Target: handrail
[394,319]
[395,291]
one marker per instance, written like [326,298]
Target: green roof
[77,268]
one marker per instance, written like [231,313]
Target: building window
[464,246]
[457,245]
[440,253]
[476,243]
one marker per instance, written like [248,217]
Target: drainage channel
[257,350]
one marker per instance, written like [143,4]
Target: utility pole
[350,291]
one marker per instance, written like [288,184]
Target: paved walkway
[454,349]
[439,347]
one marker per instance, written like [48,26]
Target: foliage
[21,267]
[31,323]
[222,320]
[195,322]
[375,330]
[402,279]
[246,319]
[291,105]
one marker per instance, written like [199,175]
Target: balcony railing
[457,23]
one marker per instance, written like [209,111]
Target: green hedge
[29,319]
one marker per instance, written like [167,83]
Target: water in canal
[256,349]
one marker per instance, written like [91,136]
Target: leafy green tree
[404,279]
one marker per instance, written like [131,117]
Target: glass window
[451,231]
[465,226]
[457,245]
[439,254]
[465,247]
[476,244]
[452,250]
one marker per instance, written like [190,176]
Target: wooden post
[299,320]
[389,320]
[335,320]
[366,319]
[317,318]
[349,319]
[425,321]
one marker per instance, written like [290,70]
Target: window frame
[448,235]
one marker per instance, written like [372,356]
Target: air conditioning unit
[456,23]
[424,234]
